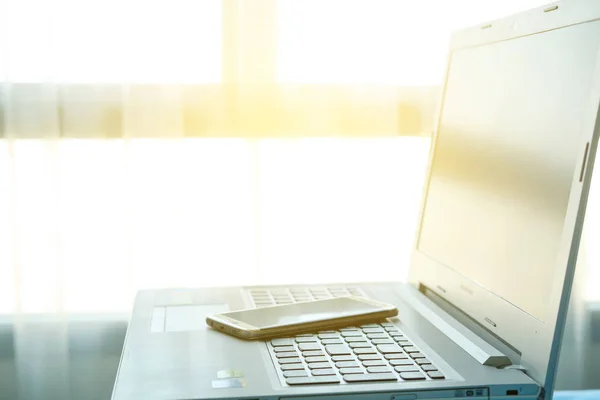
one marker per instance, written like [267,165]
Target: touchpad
[184,318]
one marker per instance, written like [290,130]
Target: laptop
[483,313]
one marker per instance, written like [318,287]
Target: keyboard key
[361,350]
[300,293]
[262,299]
[387,324]
[343,358]
[290,374]
[338,349]
[389,348]
[422,361]
[374,363]
[319,365]
[396,334]
[347,364]
[322,372]
[406,368]
[346,371]
[306,339]
[284,301]
[305,335]
[300,299]
[312,380]
[331,341]
[391,329]
[373,330]
[316,359]
[282,342]
[401,362]
[287,354]
[298,290]
[327,332]
[309,346]
[312,353]
[290,360]
[403,342]
[396,356]
[411,376]
[382,341]
[428,368]
[289,367]
[370,326]
[258,291]
[329,336]
[411,349]
[355,345]
[417,355]
[347,334]
[354,339]
[283,348]
[377,336]
[369,357]
[349,328]
[370,377]
[378,370]
[435,375]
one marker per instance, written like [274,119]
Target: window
[91,41]
[401,42]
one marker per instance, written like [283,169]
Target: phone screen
[300,313]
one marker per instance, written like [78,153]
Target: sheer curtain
[86,223]
[138,148]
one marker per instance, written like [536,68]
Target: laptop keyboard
[271,297]
[357,354]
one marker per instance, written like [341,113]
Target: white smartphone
[310,316]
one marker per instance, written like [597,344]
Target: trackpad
[184,318]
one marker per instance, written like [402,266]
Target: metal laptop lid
[509,175]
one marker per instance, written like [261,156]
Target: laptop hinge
[470,342]
[516,366]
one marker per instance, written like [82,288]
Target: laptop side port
[512,392]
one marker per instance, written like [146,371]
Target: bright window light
[400,42]
[91,41]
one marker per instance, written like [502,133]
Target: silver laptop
[483,314]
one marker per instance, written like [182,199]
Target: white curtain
[86,223]
[131,156]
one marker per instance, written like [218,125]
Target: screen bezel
[538,342]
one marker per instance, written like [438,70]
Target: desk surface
[577,395]
[57,357]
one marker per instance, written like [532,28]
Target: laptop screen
[505,158]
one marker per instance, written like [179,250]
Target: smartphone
[292,319]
